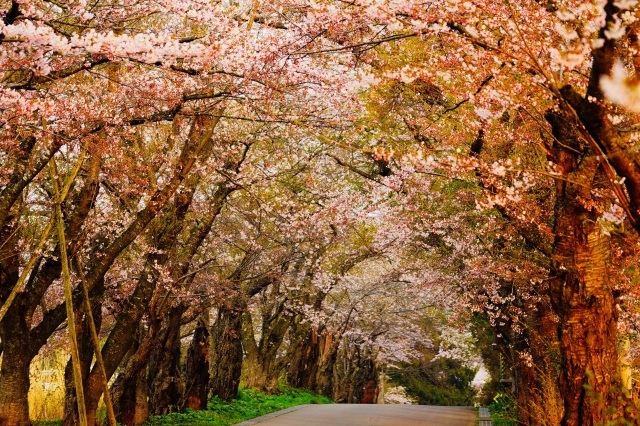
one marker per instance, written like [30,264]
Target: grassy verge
[503,411]
[248,405]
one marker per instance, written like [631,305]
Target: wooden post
[66,279]
[111,416]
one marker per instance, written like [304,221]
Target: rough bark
[313,357]
[129,390]
[141,413]
[305,355]
[356,378]
[263,364]
[196,375]
[588,318]
[14,374]
[166,385]
[226,353]
[580,291]
[14,331]
[329,345]
[130,395]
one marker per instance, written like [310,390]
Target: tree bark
[580,291]
[130,389]
[329,345]
[357,376]
[166,385]
[263,364]
[226,356]
[14,373]
[588,318]
[196,374]
[305,355]
[14,333]
[130,395]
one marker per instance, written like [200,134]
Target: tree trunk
[14,376]
[588,318]
[14,334]
[226,356]
[129,394]
[305,355]
[197,369]
[263,373]
[130,389]
[328,345]
[165,382]
[580,291]
[356,379]
[141,412]
[263,364]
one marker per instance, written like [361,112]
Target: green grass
[248,405]
[503,411]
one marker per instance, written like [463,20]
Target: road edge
[271,415]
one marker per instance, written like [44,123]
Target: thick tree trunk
[14,334]
[588,318]
[313,360]
[130,389]
[14,376]
[141,413]
[305,355]
[264,366]
[197,369]
[226,356]
[356,379]
[129,394]
[261,376]
[580,291]
[166,386]
[328,355]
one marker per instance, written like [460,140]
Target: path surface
[370,415]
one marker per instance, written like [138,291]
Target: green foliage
[503,411]
[484,335]
[441,381]
[248,405]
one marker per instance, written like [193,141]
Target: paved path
[370,415]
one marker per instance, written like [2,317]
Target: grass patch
[248,405]
[503,411]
